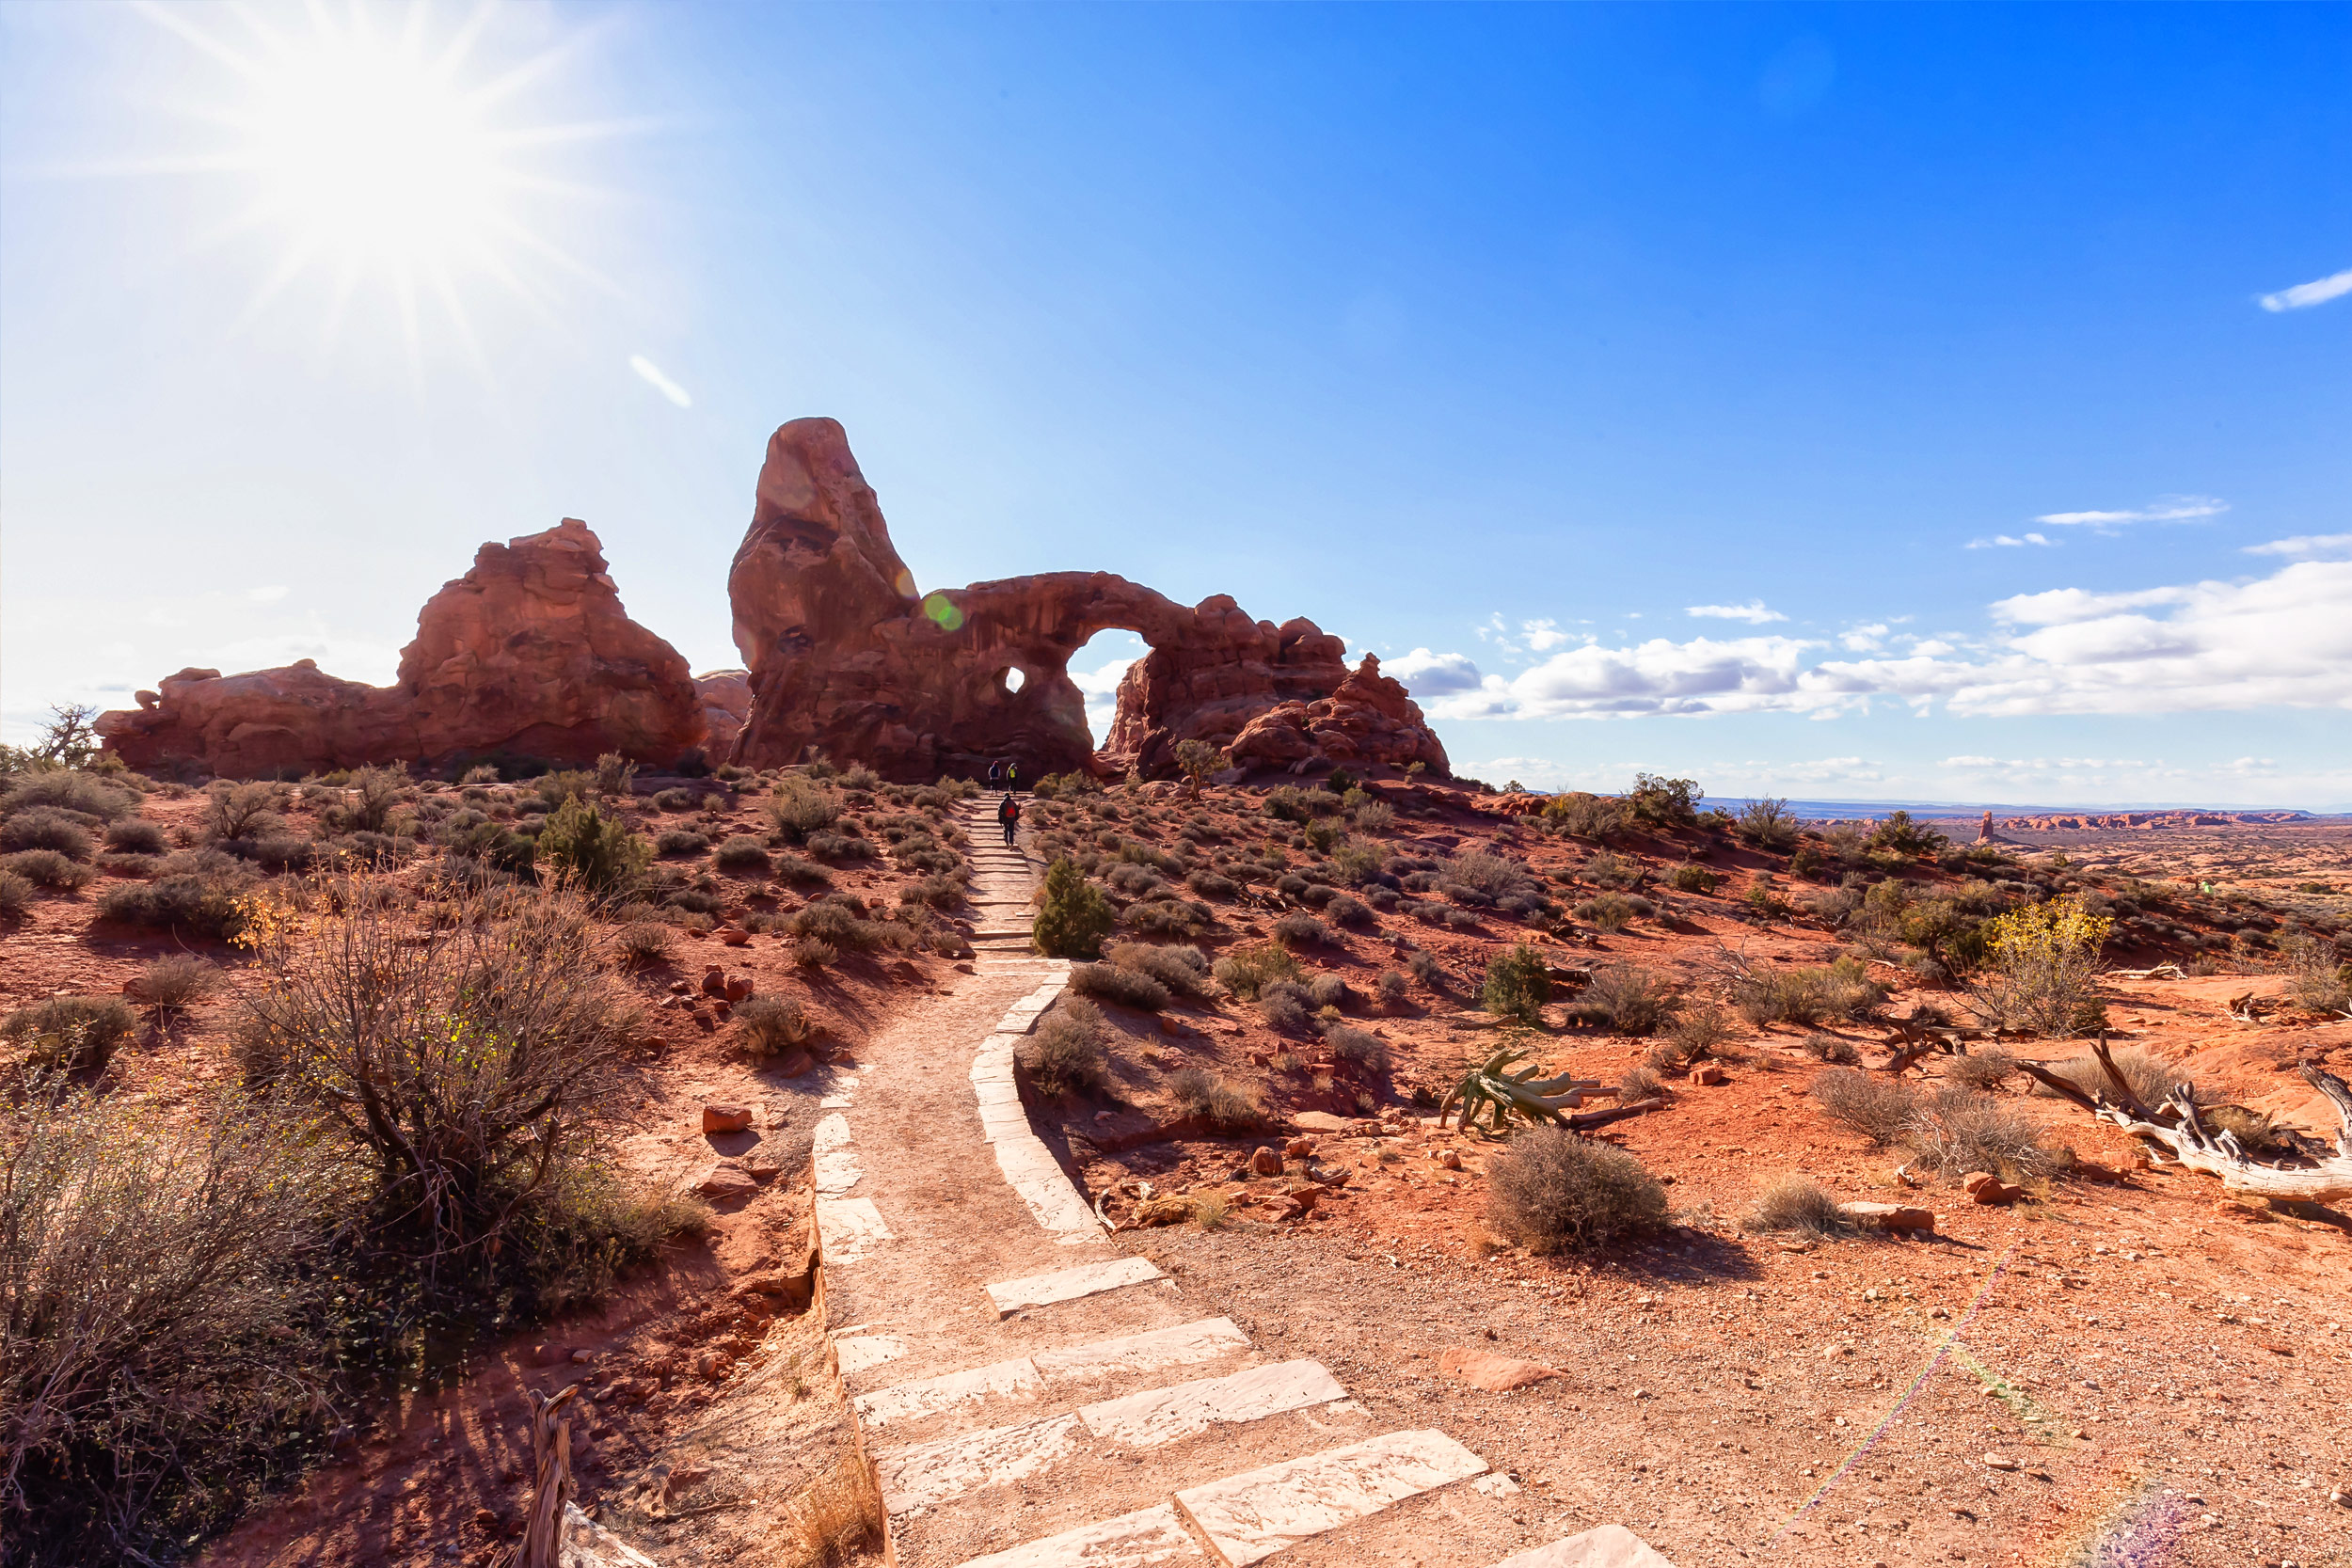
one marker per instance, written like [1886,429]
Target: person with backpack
[995,774]
[1008,813]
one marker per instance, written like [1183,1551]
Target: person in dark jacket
[1008,813]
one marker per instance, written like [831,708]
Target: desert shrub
[1391,987]
[1638,1082]
[69,1032]
[1626,998]
[771,1025]
[742,853]
[16,894]
[206,899]
[1805,994]
[1065,1055]
[369,798]
[1492,875]
[1607,912]
[1114,983]
[488,847]
[680,841]
[1660,802]
[466,1064]
[67,790]
[615,775]
[1322,835]
[48,868]
[248,811]
[1425,969]
[553,789]
[1183,970]
[800,808]
[46,828]
[1345,911]
[1075,917]
[1879,1109]
[280,853]
[2152,1077]
[1287,804]
[158,1360]
[1374,817]
[582,844]
[643,943]
[1982,1069]
[137,836]
[1767,823]
[173,984]
[836,922]
[1210,884]
[839,846]
[1900,835]
[800,871]
[1249,971]
[1957,1130]
[1164,917]
[814,953]
[1580,815]
[1794,1204]
[1287,1005]
[1359,1047]
[939,893]
[1551,1191]
[1214,1101]
[1694,878]
[2314,977]
[1298,929]
[1830,1050]
[1327,990]
[1699,1030]
[1518,984]
[2041,970]
[676,798]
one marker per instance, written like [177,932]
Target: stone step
[1135,1540]
[1609,1547]
[1048,1290]
[957,1393]
[1254,1515]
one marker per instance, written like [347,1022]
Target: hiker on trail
[1008,813]
[995,774]
[1012,775]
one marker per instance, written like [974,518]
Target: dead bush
[1794,1204]
[1552,1191]
[1065,1056]
[69,1032]
[1878,1109]
[173,985]
[1215,1102]
[771,1025]
[1626,998]
[1957,1130]
[1981,1069]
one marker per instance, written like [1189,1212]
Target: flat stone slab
[1131,1540]
[1258,1512]
[1087,1279]
[928,1473]
[927,1396]
[847,1227]
[1184,1345]
[1609,1547]
[1158,1416]
[861,1350]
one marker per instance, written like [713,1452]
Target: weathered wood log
[2175,1128]
[552,1479]
[1583,1120]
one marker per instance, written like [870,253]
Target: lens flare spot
[943,612]
[905,583]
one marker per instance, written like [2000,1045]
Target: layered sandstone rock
[848,659]
[530,654]
[726,699]
[1368,720]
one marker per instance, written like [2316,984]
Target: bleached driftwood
[2175,1128]
[552,1479]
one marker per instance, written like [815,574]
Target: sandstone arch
[849,658]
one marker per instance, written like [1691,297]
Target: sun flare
[383,153]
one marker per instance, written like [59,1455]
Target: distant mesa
[530,654]
[2064,822]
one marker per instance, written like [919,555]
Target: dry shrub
[1360,1046]
[1806,995]
[1831,1049]
[1957,1130]
[643,943]
[1183,970]
[1115,983]
[1703,1029]
[1247,971]
[174,984]
[1627,998]
[800,808]
[2315,979]
[1608,912]
[2152,1077]
[50,868]
[46,828]
[1287,1005]
[1638,1082]
[1879,1109]
[237,814]
[814,953]
[1793,1203]
[1982,1069]
[1299,929]
[69,1032]
[1065,1056]
[742,853]
[155,1360]
[831,1520]
[1552,1191]
[771,1025]
[200,894]
[77,793]
[1215,1102]
[16,896]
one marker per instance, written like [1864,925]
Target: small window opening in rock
[1014,680]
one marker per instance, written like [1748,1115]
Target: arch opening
[1096,668]
[1013,679]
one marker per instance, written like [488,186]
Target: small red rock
[1706,1074]
[1298,1148]
[733,936]
[1264,1161]
[714,981]
[738,987]
[726,1118]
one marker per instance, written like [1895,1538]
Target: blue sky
[1941,403]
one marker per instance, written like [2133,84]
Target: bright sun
[383,156]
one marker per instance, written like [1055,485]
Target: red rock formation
[529,654]
[1369,721]
[848,658]
[726,699]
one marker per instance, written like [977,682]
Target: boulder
[1985,1187]
[849,657]
[1887,1216]
[726,1118]
[528,654]
[726,696]
[1498,1374]
[1264,1161]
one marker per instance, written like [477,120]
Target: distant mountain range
[1872,810]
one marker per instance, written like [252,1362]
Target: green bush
[799,808]
[1518,984]
[1076,916]
[235,813]
[1694,878]
[1582,816]
[1807,995]
[1663,802]
[1551,1191]
[1767,823]
[600,853]
[69,1032]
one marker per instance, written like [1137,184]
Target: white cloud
[2004,541]
[651,374]
[1753,613]
[2303,295]
[269,595]
[1428,675]
[2280,640]
[1864,640]
[1543,636]
[2304,546]
[2172,509]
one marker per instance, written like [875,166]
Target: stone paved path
[1034,1397]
